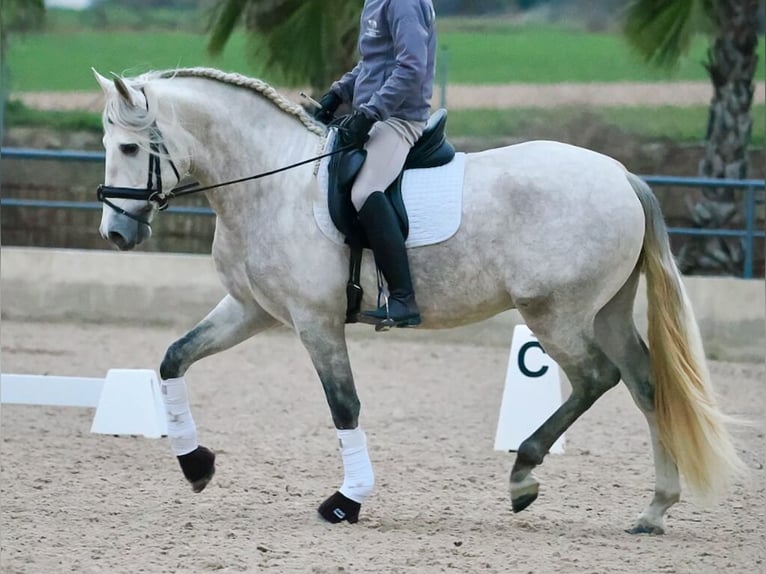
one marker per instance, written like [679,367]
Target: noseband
[152,192]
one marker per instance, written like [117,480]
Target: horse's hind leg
[617,336]
[591,374]
[326,345]
[229,323]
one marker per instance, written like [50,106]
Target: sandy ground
[612,94]
[78,502]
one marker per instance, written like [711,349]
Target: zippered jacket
[395,75]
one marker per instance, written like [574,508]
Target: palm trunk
[731,65]
[3,74]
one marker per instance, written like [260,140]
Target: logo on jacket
[372,28]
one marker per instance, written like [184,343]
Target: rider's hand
[328,104]
[355,129]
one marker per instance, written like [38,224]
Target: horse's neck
[237,133]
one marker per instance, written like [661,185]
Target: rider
[389,91]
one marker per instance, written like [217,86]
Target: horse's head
[138,166]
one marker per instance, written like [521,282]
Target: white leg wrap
[359,478]
[181,429]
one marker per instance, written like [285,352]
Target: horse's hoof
[643,527]
[198,467]
[524,493]
[520,503]
[338,508]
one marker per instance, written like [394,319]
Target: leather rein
[153,191]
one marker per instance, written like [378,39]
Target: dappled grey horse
[556,231]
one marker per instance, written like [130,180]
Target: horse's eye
[129,149]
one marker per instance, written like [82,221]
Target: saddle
[431,150]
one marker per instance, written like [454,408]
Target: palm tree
[16,16]
[662,30]
[305,42]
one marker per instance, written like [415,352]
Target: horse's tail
[691,426]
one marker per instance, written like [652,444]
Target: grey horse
[558,232]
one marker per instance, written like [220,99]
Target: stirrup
[387,323]
[381,317]
[383,321]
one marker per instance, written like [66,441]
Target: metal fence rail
[754,190]
[755,193]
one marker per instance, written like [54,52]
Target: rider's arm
[410,23]
[345,86]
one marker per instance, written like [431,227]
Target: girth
[431,150]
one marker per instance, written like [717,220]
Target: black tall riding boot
[380,223]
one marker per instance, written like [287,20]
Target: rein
[162,198]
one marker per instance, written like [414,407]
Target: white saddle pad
[433,198]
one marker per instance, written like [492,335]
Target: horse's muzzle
[126,233]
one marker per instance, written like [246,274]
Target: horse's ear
[130,95]
[123,90]
[106,86]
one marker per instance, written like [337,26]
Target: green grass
[501,53]
[475,51]
[18,115]
[683,125]
[124,17]
[51,62]
[546,54]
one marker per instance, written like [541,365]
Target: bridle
[154,193]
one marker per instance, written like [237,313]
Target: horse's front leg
[326,344]
[231,322]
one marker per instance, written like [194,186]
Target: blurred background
[669,88]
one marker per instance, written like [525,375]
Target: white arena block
[532,392]
[127,401]
[131,404]
[50,390]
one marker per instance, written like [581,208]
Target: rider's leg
[387,150]
[385,237]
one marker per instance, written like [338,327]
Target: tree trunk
[731,66]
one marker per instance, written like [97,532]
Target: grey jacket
[395,75]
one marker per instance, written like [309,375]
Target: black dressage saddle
[431,150]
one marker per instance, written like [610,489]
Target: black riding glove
[328,104]
[355,129]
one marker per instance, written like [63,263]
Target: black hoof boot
[198,467]
[520,503]
[338,508]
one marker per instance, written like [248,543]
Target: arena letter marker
[532,392]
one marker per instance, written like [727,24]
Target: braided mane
[234,79]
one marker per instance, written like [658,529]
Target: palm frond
[223,20]
[301,41]
[662,30]
[305,42]
[21,15]
[310,45]
[263,15]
